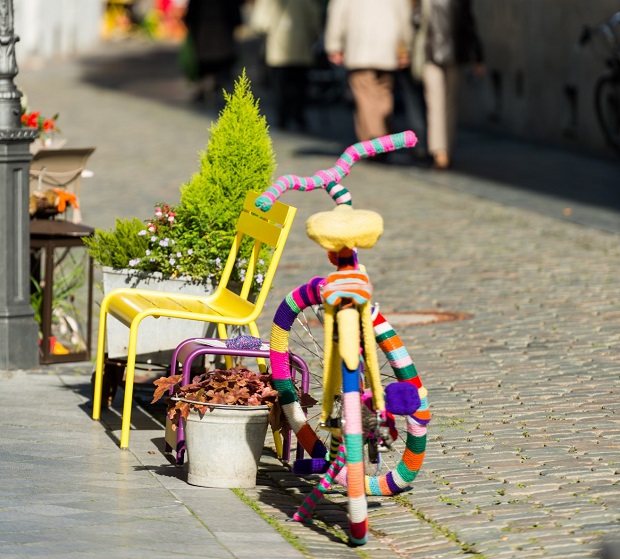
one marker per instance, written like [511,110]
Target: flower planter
[157,337]
[224,445]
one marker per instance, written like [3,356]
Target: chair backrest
[59,168]
[270,229]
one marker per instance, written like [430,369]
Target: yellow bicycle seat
[344,227]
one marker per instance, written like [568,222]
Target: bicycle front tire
[607,100]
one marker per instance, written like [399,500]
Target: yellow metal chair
[224,307]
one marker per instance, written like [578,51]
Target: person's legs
[278,89]
[374,102]
[415,109]
[297,88]
[453,75]
[435,93]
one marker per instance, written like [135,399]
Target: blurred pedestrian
[211,24]
[292,27]
[372,40]
[452,41]
[410,84]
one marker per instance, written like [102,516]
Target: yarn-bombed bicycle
[357,410]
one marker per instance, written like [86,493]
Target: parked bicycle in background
[604,38]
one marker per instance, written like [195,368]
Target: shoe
[441,160]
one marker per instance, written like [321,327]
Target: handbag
[188,58]
[418,50]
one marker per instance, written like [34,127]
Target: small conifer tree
[193,238]
[238,158]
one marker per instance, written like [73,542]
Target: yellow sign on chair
[224,307]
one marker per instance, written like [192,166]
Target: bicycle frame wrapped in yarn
[400,478]
[329,179]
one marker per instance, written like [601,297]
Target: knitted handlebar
[329,179]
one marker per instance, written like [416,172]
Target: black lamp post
[18,329]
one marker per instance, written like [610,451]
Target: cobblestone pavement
[523,454]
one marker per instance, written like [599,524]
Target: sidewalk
[522,456]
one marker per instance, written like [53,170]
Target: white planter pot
[157,337]
[224,445]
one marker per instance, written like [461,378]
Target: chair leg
[173,371]
[98,384]
[262,364]
[222,332]
[129,378]
[186,368]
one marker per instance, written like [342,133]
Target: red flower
[33,120]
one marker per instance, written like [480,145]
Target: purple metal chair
[188,350]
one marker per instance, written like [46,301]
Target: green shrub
[194,238]
[118,246]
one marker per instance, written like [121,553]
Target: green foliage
[194,238]
[118,246]
[239,158]
[231,387]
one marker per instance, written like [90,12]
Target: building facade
[52,28]
[539,84]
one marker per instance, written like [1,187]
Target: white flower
[172,261]
[163,242]
[179,255]
[142,233]
[218,262]
[148,253]
[190,252]
[259,278]
[152,229]
[134,262]
[153,238]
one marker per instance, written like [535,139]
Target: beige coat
[291,26]
[370,33]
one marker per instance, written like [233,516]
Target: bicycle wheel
[607,98]
[404,469]
[306,339]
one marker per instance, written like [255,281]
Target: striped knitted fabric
[402,476]
[347,284]
[345,259]
[304,513]
[329,179]
[296,301]
[354,446]
[407,469]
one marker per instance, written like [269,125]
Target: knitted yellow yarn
[344,227]
[371,370]
[349,337]
[332,377]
